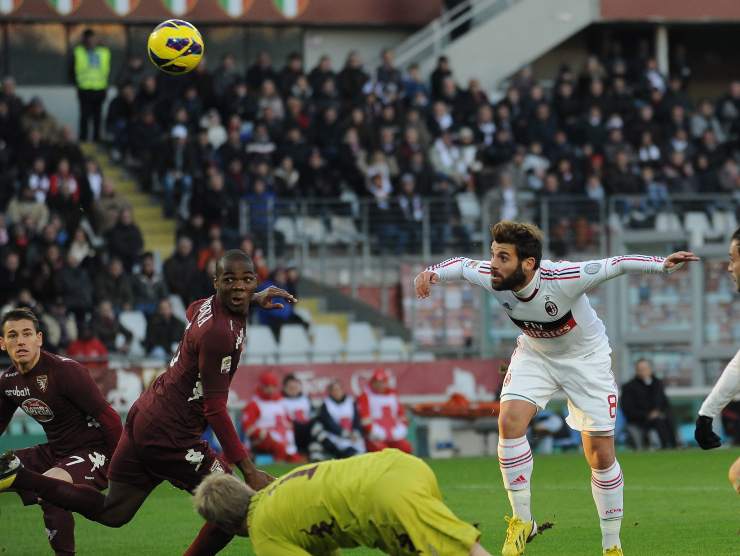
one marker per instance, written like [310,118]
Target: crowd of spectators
[390,136]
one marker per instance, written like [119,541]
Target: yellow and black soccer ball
[175,46]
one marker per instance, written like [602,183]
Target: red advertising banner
[477,379]
[321,12]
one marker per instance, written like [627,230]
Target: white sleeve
[727,387]
[461,268]
[578,278]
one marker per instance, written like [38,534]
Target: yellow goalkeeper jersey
[387,500]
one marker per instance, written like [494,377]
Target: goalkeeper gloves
[704,435]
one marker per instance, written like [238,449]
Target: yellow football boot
[613,551]
[518,534]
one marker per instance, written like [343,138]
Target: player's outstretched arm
[458,268]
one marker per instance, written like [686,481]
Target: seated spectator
[266,424]
[25,207]
[108,207]
[276,318]
[88,349]
[38,180]
[37,118]
[298,407]
[125,240]
[180,269]
[108,329]
[11,277]
[114,285]
[163,331]
[383,417]
[60,326]
[337,429]
[80,248]
[647,409]
[75,287]
[148,285]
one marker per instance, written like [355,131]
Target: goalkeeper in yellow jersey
[387,500]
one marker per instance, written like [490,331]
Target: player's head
[235,280]
[224,500]
[516,252]
[734,266]
[21,337]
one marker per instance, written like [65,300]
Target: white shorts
[587,380]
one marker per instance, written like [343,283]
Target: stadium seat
[327,343]
[423,356]
[723,222]
[134,322]
[286,226]
[361,342]
[392,348]
[294,344]
[697,226]
[261,346]
[178,307]
[343,230]
[668,222]
[310,229]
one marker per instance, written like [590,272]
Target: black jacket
[639,399]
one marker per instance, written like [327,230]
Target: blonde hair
[224,500]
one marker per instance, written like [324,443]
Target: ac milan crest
[43,382]
[551,308]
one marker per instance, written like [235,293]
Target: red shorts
[88,466]
[146,456]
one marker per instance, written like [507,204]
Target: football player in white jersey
[728,385]
[563,346]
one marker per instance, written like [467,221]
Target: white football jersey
[553,311]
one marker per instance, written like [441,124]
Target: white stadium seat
[261,346]
[361,342]
[178,307]
[392,348]
[294,344]
[327,343]
[668,222]
[134,322]
[286,226]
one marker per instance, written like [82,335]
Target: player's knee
[512,425]
[59,474]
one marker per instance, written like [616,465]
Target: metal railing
[430,41]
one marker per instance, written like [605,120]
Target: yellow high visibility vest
[92,77]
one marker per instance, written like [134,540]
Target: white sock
[516,463]
[607,487]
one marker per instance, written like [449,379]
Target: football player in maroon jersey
[82,429]
[162,437]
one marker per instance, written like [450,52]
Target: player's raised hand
[264,298]
[423,283]
[678,259]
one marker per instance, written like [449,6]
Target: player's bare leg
[734,475]
[607,487]
[516,463]
[478,550]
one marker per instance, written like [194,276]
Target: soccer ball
[175,46]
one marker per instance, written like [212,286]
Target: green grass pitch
[677,503]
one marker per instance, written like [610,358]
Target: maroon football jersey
[204,364]
[62,397]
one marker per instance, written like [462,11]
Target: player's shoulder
[60,363]
[552,270]
[8,373]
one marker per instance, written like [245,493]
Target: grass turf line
[677,503]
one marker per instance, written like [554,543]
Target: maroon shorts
[88,466]
[146,456]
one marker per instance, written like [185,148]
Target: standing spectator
[260,71]
[181,269]
[177,169]
[163,331]
[298,407]
[149,286]
[91,69]
[352,78]
[120,118]
[132,72]
[125,240]
[438,76]
[337,430]
[266,424]
[647,408]
[383,417]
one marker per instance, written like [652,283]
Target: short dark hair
[22,313]
[287,378]
[736,237]
[526,238]
[232,255]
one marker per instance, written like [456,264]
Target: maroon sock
[209,541]
[83,499]
[60,529]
